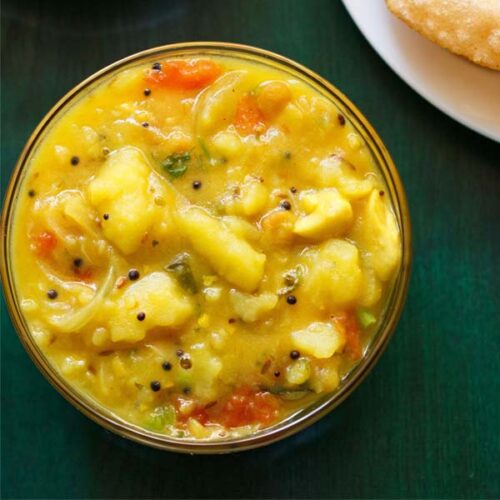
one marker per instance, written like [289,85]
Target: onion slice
[77,320]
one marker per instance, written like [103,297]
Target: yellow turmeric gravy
[204,246]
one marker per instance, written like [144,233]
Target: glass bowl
[304,417]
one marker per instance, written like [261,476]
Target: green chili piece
[365,318]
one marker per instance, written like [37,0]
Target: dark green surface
[426,421]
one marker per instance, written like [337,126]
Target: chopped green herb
[181,268]
[160,417]
[291,280]
[365,318]
[177,164]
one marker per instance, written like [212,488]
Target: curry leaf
[177,163]
[181,268]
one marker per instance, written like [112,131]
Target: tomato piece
[45,242]
[352,332]
[185,74]
[197,412]
[201,415]
[248,118]
[84,274]
[246,407]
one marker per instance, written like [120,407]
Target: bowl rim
[99,413]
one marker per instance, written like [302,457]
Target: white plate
[468,93]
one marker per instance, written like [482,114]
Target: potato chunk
[227,144]
[325,376]
[298,372]
[216,104]
[252,307]
[241,227]
[251,200]
[334,170]
[120,190]
[321,340]
[203,375]
[372,288]
[377,234]
[329,214]
[205,372]
[123,189]
[335,277]
[162,301]
[231,256]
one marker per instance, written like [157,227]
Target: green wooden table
[426,421]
